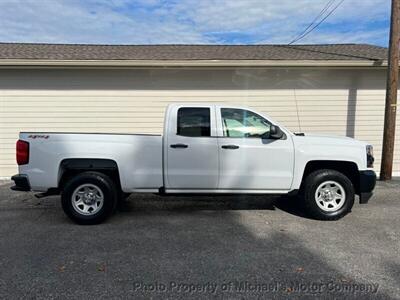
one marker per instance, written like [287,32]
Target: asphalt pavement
[200,247]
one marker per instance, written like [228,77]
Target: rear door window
[194,121]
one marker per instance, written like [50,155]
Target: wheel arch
[70,167]
[348,168]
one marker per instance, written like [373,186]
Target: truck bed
[138,156]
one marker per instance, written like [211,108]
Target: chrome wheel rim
[87,199]
[330,196]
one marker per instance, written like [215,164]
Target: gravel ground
[200,247]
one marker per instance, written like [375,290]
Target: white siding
[342,102]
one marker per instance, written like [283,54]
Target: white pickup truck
[205,148]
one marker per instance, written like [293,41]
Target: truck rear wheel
[89,198]
[328,194]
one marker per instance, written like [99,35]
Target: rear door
[191,149]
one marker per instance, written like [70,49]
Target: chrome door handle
[230,147]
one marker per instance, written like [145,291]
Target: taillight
[22,152]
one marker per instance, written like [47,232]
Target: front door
[191,148]
[248,161]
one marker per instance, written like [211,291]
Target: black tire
[99,180]
[310,186]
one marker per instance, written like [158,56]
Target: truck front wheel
[89,198]
[328,194]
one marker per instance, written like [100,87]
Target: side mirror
[275,132]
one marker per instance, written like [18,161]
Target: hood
[329,139]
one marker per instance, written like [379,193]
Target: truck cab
[205,148]
[225,149]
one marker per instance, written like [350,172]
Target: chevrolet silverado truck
[205,149]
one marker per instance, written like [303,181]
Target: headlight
[370,156]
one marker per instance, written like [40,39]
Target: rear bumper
[21,183]
[367,185]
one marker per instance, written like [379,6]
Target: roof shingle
[191,52]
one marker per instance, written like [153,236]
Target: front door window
[240,123]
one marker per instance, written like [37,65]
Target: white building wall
[336,101]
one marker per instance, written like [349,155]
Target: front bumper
[367,185]
[21,183]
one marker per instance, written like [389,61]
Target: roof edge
[183,44]
[29,63]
